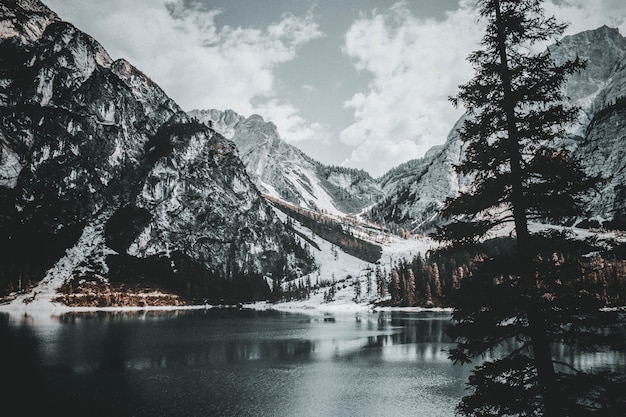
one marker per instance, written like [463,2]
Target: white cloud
[378,156]
[416,64]
[586,15]
[290,124]
[199,64]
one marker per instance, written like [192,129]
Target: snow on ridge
[269,190]
[279,168]
[311,192]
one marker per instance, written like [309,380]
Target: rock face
[416,190]
[96,160]
[283,171]
[600,90]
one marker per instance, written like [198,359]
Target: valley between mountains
[112,196]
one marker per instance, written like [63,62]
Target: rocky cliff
[283,171]
[102,176]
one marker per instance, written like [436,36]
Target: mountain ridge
[413,204]
[104,177]
[283,171]
[411,194]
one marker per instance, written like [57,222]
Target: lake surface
[220,362]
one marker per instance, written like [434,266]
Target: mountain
[416,190]
[283,171]
[104,177]
[411,194]
[601,92]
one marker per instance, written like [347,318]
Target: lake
[228,362]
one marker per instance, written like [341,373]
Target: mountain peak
[256,118]
[603,38]
[32,6]
[284,172]
[117,179]
[257,122]
[25,20]
[608,31]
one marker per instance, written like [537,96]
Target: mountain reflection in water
[220,362]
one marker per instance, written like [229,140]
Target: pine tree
[357,291]
[410,288]
[529,294]
[429,296]
[436,280]
[394,286]
[381,283]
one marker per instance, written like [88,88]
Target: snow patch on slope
[348,272]
[308,186]
[90,247]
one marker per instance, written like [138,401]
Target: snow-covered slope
[283,171]
[88,144]
[344,282]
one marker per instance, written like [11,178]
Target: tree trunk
[536,322]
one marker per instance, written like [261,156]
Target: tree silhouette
[517,305]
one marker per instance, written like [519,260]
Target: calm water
[230,363]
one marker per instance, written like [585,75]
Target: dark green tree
[515,307]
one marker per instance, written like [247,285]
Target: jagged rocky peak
[255,129]
[256,137]
[604,50]
[31,21]
[223,122]
[283,171]
[97,160]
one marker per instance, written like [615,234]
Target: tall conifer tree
[531,295]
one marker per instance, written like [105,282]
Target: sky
[356,83]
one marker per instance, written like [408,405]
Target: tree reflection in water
[236,362]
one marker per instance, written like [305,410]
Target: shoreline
[51,309]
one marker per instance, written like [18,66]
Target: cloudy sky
[359,83]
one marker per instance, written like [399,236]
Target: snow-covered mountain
[103,175]
[411,194]
[283,171]
[415,191]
